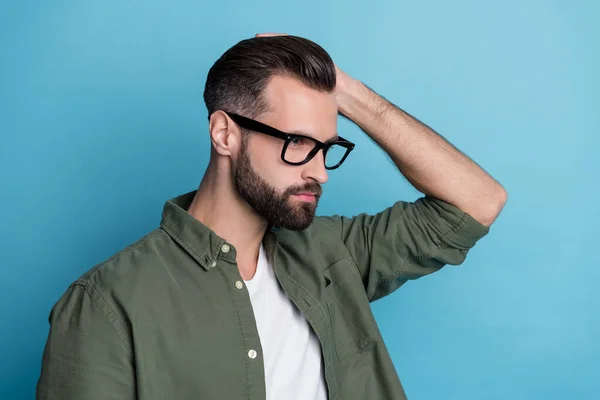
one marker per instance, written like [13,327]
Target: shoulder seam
[324,222]
[88,278]
[110,315]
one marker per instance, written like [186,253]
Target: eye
[297,141]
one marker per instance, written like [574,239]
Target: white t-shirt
[292,352]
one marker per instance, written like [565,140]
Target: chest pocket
[354,327]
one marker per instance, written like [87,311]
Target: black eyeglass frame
[256,126]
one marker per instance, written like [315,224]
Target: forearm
[429,162]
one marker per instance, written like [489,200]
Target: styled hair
[237,80]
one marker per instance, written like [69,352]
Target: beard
[278,209]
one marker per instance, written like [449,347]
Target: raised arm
[429,162]
[410,240]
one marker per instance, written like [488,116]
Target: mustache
[312,187]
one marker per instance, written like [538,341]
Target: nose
[315,169]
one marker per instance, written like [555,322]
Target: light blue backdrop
[102,120]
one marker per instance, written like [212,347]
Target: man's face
[285,195]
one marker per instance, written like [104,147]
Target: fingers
[270,34]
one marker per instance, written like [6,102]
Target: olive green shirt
[170,318]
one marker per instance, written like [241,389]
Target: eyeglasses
[300,149]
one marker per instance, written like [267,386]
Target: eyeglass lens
[299,148]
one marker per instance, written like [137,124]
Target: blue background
[102,120]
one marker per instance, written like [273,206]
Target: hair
[236,81]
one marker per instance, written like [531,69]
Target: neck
[218,206]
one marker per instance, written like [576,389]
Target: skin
[430,163]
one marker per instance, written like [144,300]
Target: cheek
[278,176]
[265,151]
[264,155]
[267,163]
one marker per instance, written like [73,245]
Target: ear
[225,135]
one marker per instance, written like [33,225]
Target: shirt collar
[199,240]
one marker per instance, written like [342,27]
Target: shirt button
[252,354]
[225,248]
[213,264]
[239,284]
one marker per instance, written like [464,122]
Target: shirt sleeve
[85,356]
[406,241]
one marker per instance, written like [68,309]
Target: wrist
[352,96]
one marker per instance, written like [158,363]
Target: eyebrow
[336,137]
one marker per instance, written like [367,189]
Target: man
[242,293]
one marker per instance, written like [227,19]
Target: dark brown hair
[237,79]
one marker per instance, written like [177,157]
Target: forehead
[295,107]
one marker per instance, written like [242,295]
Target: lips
[306,196]
[309,193]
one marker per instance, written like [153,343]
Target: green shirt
[169,316]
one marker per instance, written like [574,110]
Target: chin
[296,225]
